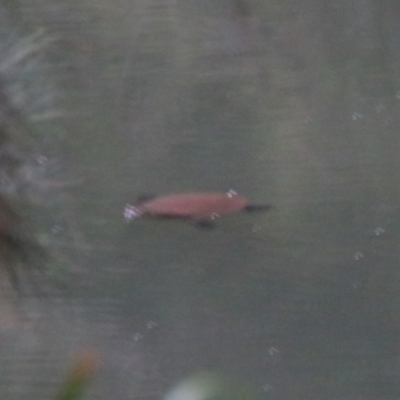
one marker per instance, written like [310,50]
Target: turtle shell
[193,205]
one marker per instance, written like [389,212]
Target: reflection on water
[293,105]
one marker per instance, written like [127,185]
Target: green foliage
[78,378]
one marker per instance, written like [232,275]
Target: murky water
[292,104]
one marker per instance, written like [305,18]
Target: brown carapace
[201,208]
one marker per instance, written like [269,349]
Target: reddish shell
[194,205]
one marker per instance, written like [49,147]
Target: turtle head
[132,212]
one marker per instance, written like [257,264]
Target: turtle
[200,207]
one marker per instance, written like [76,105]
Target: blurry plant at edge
[83,368]
[201,386]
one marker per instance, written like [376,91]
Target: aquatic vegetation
[82,370]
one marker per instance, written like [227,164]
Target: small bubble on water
[267,387]
[358,256]
[151,324]
[214,216]
[137,336]
[56,229]
[41,159]
[131,212]
[273,350]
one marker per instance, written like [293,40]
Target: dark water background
[292,103]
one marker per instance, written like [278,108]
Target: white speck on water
[358,256]
[56,229]
[41,159]
[137,336]
[379,231]
[131,212]
[273,350]
[398,94]
[151,324]
[267,387]
[231,193]
[214,216]
[356,116]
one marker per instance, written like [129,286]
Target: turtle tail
[257,207]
